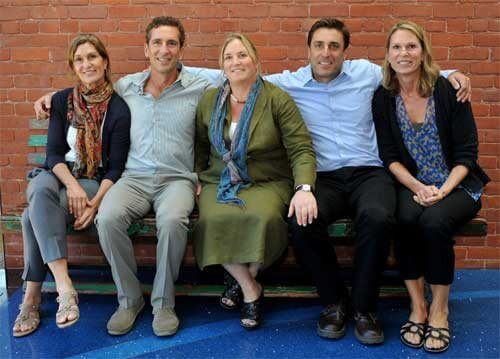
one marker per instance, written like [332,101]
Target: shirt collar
[184,78]
[308,76]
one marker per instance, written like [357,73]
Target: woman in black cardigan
[87,147]
[428,141]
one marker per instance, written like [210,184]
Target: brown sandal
[66,307]
[28,314]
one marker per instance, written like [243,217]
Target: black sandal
[412,328]
[252,311]
[442,334]
[232,292]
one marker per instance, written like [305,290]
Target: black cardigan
[456,127]
[115,134]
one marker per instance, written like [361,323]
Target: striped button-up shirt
[163,129]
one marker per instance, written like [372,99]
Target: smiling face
[89,65]
[238,66]
[405,53]
[326,54]
[164,49]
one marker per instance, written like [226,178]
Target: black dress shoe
[367,328]
[332,321]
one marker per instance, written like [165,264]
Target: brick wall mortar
[34,35]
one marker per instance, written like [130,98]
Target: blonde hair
[247,43]
[99,46]
[429,70]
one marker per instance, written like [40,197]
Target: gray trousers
[44,223]
[130,199]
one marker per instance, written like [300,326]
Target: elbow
[113,175]
[468,164]
[53,160]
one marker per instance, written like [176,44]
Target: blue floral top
[424,146]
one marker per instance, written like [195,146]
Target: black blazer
[115,134]
[456,127]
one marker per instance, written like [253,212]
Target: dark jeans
[367,195]
[425,242]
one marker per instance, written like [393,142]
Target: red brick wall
[35,35]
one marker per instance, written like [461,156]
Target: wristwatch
[303,188]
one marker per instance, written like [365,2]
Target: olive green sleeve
[201,143]
[295,138]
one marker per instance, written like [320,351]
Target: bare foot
[28,318]
[417,315]
[437,320]
[251,297]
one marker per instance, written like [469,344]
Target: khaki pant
[130,199]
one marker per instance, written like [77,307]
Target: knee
[205,219]
[26,225]
[294,228]
[435,227]
[25,218]
[109,217]
[41,193]
[172,221]
[376,217]
[406,218]
[297,234]
[304,237]
[271,218]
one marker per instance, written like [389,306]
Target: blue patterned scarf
[235,176]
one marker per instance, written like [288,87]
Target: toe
[249,322]
[71,316]
[25,327]
[61,319]
[434,344]
[228,302]
[412,338]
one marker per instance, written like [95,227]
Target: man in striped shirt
[159,175]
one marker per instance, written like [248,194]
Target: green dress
[279,156]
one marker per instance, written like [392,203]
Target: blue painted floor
[207,331]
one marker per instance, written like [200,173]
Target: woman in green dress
[252,150]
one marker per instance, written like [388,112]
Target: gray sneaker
[165,322]
[123,319]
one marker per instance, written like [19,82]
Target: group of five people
[265,156]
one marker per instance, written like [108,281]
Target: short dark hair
[330,23]
[166,21]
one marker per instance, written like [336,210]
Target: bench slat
[37,140]
[36,159]
[342,228]
[38,124]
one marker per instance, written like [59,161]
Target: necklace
[236,100]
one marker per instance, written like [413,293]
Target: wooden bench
[286,277]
